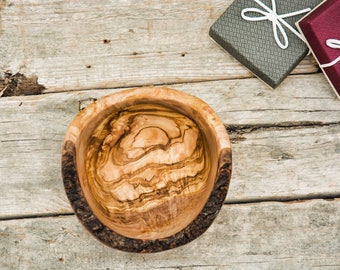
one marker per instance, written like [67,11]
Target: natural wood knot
[19,85]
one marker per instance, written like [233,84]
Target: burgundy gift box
[321,29]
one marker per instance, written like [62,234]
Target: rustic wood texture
[103,44]
[165,149]
[146,169]
[296,235]
[302,135]
[19,85]
[285,141]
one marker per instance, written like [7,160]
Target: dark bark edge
[114,240]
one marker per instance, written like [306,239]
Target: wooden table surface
[283,206]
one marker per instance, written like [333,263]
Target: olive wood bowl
[146,169]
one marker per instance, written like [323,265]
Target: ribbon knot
[277,21]
[334,44]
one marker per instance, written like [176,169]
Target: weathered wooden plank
[299,100]
[300,235]
[279,164]
[104,44]
[269,163]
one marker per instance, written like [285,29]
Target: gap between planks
[170,84]
[292,200]
[236,131]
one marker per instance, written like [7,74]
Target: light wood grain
[104,44]
[150,163]
[279,164]
[269,163]
[146,171]
[301,235]
[285,141]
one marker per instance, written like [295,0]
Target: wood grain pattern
[285,142]
[289,122]
[108,44]
[147,169]
[139,159]
[268,235]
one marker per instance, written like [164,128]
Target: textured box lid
[253,43]
[318,27]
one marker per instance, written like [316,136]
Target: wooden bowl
[146,169]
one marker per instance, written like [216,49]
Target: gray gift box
[247,31]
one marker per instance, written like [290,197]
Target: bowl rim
[75,193]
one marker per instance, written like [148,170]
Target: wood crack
[276,200]
[236,132]
[278,126]
[33,216]
[290,199]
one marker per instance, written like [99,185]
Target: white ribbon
[277,20]
[335,44]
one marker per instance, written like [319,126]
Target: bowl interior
[147,169]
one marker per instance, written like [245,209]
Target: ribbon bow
[335,44]
[277,21]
